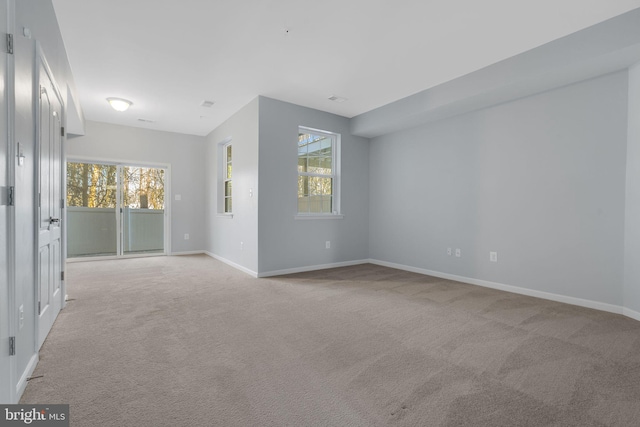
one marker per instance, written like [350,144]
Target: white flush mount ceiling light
[119,104]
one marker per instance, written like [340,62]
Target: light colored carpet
[189,341]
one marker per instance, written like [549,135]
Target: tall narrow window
[227,178]
[318,172]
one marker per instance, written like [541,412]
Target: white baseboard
[232,264]
[186,253]
[22,382]
[312,268]
[630,313]
[514,289]
[611,308]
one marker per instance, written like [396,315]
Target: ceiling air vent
[146,120]
[337,98]
[207,104]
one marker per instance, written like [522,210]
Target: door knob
[53,220]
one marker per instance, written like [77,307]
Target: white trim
[312,268]
[186,253]
[22,383]
[232,264]
[224,215]
[112,257]
[630,313]
[508,288]
[318,216]
[116,162]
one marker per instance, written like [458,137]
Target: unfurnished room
[304,213]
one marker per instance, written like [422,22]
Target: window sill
[225,215]
[319,216]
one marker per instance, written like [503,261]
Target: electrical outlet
[241,246]
[493,256]
[449,251]
[186,237]
[327,244]
[178,197]
[458,253]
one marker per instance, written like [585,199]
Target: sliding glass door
[114,210]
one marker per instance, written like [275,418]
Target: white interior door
[49,257]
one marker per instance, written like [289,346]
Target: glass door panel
[143,210]
[91,210]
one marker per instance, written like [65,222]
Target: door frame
[167,203]
[8,366]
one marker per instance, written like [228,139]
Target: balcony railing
[93,231]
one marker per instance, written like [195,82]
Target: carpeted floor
[189,341]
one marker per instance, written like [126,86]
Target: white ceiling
[168,56]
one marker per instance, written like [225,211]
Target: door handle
[53,220]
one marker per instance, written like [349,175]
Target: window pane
[303,142]
[326,204]
[228,170]
[302,164]
[227,189]
[303,204]
[227,204]
[320,164]
[143,187]
[303,186]
[228,153]
[320,186]
[91,185]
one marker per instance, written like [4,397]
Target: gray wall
[185,154]
[39,17]
[540,180]
[632,224]
[287,243]
[235,239]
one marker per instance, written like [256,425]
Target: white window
[227,178]
[318,172]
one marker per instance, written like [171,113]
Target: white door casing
[7,367]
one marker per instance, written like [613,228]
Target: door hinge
[62,275]
[61,203]
[39,307]
[12,346]
[62,131]
[39,199]
[11,196]
[10,44]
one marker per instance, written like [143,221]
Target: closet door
[49,257]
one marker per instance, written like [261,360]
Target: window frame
[228,178]
[223,162]
[335,175]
